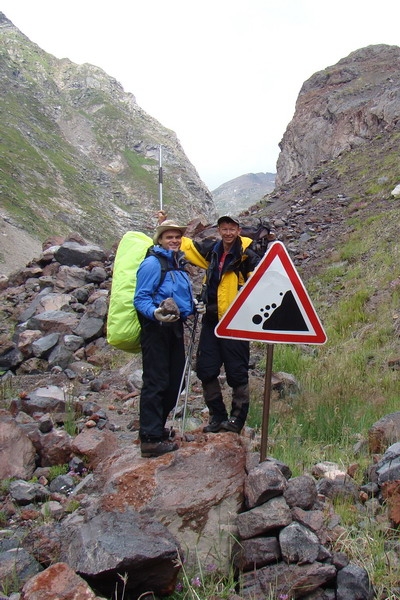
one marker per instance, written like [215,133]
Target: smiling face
[229,232]
[170,240]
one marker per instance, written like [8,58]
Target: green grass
[141,175]
[70,422]
[10,584]
[201,582]
[5,486]
[6,387]
[57,470]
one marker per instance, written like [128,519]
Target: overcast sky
[224,75]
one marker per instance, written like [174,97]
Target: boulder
[196,490]
[17,456]
[112,544]
[57,581]
[384,432]
[81,255]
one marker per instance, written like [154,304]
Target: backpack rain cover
[123,327]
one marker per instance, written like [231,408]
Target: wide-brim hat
[228,219]
[168,225]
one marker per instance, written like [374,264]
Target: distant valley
[240,193]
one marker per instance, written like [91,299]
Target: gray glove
[200,307]
[165,318]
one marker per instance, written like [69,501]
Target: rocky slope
[78,152]
[60,533]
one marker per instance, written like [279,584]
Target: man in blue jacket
[163,300]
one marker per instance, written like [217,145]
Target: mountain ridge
[233,196]
[76,150]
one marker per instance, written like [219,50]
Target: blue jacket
[149,294]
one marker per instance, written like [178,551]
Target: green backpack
[123,327]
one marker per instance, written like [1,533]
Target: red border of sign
[277,249]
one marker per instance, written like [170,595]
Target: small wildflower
[179,587]
[283,596]
[196,582]
[210,568]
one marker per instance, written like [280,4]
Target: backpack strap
[164,269]
[164,264]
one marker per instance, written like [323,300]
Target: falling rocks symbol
[285,317]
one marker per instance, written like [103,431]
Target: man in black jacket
[229,262]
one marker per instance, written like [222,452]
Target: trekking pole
[188,370]
[186,375]
[160,176]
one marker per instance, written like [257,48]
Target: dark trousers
[163,358]
[212,353]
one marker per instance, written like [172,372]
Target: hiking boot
[168,433]
[232,424]
[213,427]
[149,449]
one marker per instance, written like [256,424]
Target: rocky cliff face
[340,108]
[79,151]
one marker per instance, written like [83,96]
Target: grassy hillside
[353,279]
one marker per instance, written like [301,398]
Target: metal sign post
[267,401]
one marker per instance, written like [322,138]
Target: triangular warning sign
[273,306]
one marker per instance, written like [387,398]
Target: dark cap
[228,219]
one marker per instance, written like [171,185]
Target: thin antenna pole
[160,177]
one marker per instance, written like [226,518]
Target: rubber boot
[216,407]
[240,409]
